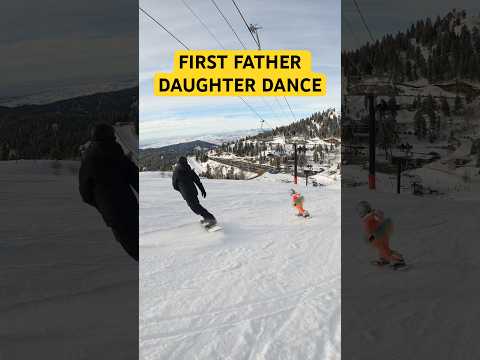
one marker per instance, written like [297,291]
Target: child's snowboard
[306,215]
[397,267]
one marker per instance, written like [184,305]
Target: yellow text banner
[241,73]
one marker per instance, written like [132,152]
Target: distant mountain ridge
[163,158]
[186,146]
[63,91]
[113,101]
[319,125]
[213,138]
[56,130]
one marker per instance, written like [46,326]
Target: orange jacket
[378,231]
[297,199]
[372,221]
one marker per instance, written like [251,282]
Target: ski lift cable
[216,39]
[258,45]
[236,35]
[246,24]
[281,107]
[203,24]
[271,111]
[354,34]
[228,23]
[262,120]
[163,27]
[291,111]
[270,107]
[350,28]
[366,27]
[249,30]
[363,20]
[188,48]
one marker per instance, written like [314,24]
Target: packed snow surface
[68,289]
[430,311]
[266,287]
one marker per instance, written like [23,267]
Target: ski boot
[381,262]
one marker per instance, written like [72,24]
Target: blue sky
[304,24]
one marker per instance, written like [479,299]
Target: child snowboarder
[297,202]
[378,231]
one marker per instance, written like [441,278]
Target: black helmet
[103,132]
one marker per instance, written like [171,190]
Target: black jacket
[106,179]
[184,180]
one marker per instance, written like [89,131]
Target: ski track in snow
[266,287]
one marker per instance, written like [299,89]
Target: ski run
[265,287]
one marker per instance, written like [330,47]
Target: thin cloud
[304,24]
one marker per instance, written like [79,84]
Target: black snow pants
[198,209]
[128,238]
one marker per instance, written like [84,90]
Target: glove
[204,194]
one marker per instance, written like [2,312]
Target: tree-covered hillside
[56,130]
[441,49]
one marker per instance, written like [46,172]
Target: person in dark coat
[184,180]
[107,180]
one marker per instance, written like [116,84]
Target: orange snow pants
[383,247]
[300,209]
[384,250]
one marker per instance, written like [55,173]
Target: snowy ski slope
[430,311]
[66,285]
[267,287]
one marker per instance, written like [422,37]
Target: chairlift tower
[371,89]
[254,31]
[296,141]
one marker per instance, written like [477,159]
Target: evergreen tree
[444,106]
[420,125]
[4,152]
[458,107]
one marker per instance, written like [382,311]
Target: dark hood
[183,167]
[103,132]
[107,149]
[182,164]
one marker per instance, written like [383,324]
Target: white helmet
[363,208]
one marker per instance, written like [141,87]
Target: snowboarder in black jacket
[106,179]
[184,180]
